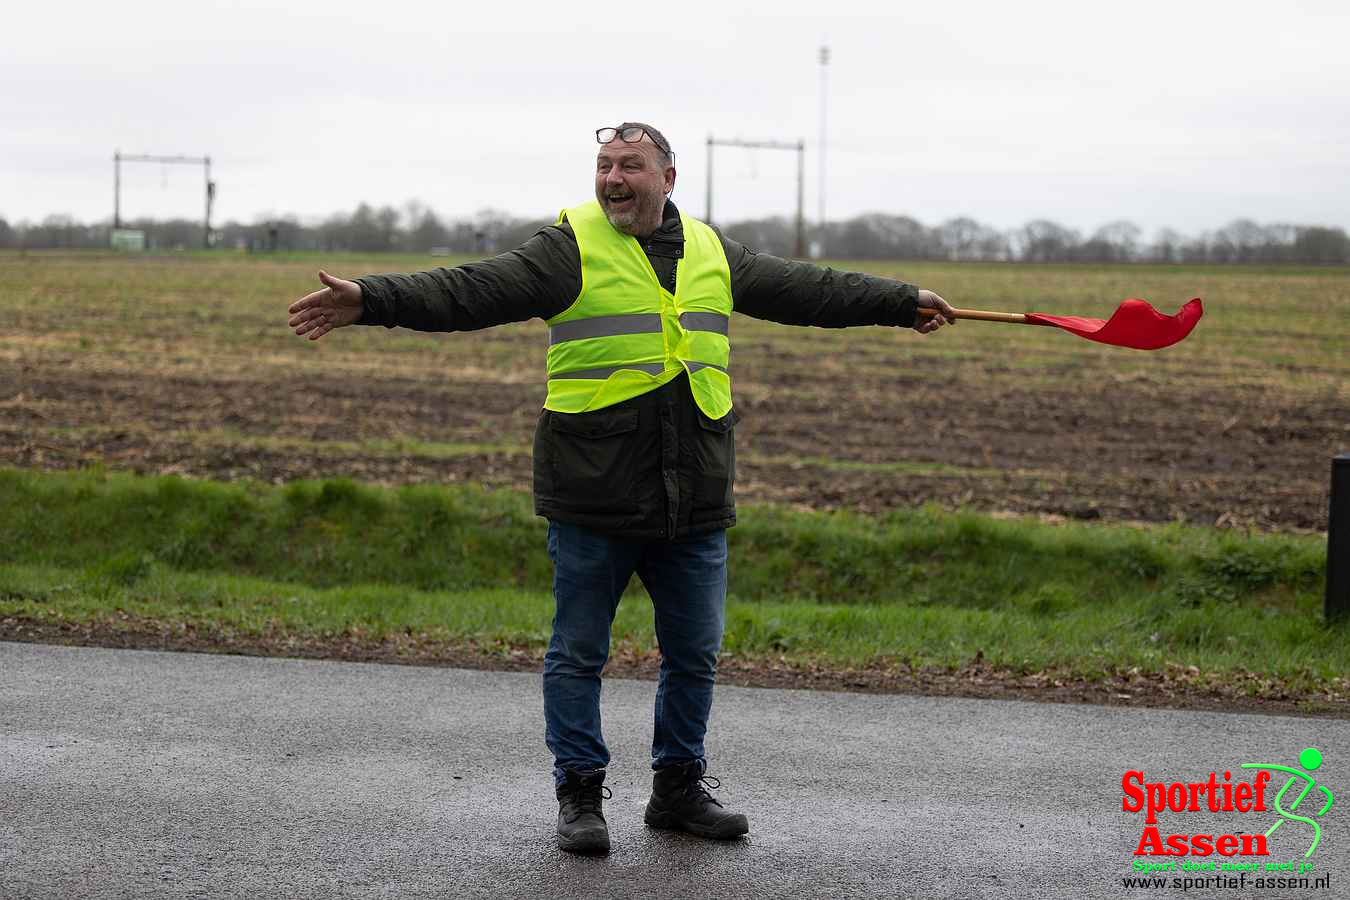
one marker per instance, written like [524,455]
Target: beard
[625,222]
[640,219]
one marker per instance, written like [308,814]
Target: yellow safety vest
[626,335]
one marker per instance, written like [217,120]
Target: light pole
[824,84]
[117,189]
[707,206]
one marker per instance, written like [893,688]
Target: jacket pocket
[593,459]
[714,461]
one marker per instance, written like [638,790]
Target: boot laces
[697,789]
[587,798]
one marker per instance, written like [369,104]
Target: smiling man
[630,188]
[634,450]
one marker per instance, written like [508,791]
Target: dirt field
[185,365]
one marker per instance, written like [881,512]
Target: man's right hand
[943,313]
[336,306]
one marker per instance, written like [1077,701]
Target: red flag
[1134,324]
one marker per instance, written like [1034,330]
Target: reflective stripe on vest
[704,321]
[636,323]
[649,368]
[626,335]
[604,326]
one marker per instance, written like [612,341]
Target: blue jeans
[687,581]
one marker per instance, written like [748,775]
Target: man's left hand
[945,314]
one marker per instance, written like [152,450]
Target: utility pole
[801,199]
[799,146]
[205,161]
[824,93]
[117,189]
[707,205]
[210,199]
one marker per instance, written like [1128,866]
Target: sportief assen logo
[1240,797]
[1248,798]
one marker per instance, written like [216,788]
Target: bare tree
[1121,240]
[1241,240]
[427,232]
[1166,247]
[1044,241]
[959,238]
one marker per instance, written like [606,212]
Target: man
[634,452]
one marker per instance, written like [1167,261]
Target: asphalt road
[131,773]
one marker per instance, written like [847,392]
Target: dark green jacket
[654,466]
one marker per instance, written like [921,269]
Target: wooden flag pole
[983,315]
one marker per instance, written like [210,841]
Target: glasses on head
[631,134]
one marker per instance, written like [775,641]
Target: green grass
[915,586]
[921,587]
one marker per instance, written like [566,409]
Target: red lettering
[1226,796]
[1213,787]
[1132,792]
[1151,843]
[1152,839]
[1176,797]
[1261,779]
[1157,800]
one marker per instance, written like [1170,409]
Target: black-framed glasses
[631,134]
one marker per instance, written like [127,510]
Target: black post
[1338,542]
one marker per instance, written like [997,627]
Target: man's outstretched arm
[799,293]
[541,278]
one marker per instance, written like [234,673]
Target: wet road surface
[138,773]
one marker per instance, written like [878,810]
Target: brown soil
[1237,457]
[1177,688]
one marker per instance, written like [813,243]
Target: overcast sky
[1183,114]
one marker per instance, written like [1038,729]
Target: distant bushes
[418,229]
[885,236]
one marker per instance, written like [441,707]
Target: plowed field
[185,365]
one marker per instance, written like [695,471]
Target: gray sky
[1183,114]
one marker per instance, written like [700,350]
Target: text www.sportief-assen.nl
[1229,882]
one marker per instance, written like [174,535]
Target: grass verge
[914,590]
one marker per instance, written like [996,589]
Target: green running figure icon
[1310,759]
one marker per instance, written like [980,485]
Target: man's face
[631,184]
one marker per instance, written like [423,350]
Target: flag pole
[983,315]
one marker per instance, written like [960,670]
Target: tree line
[416,228]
